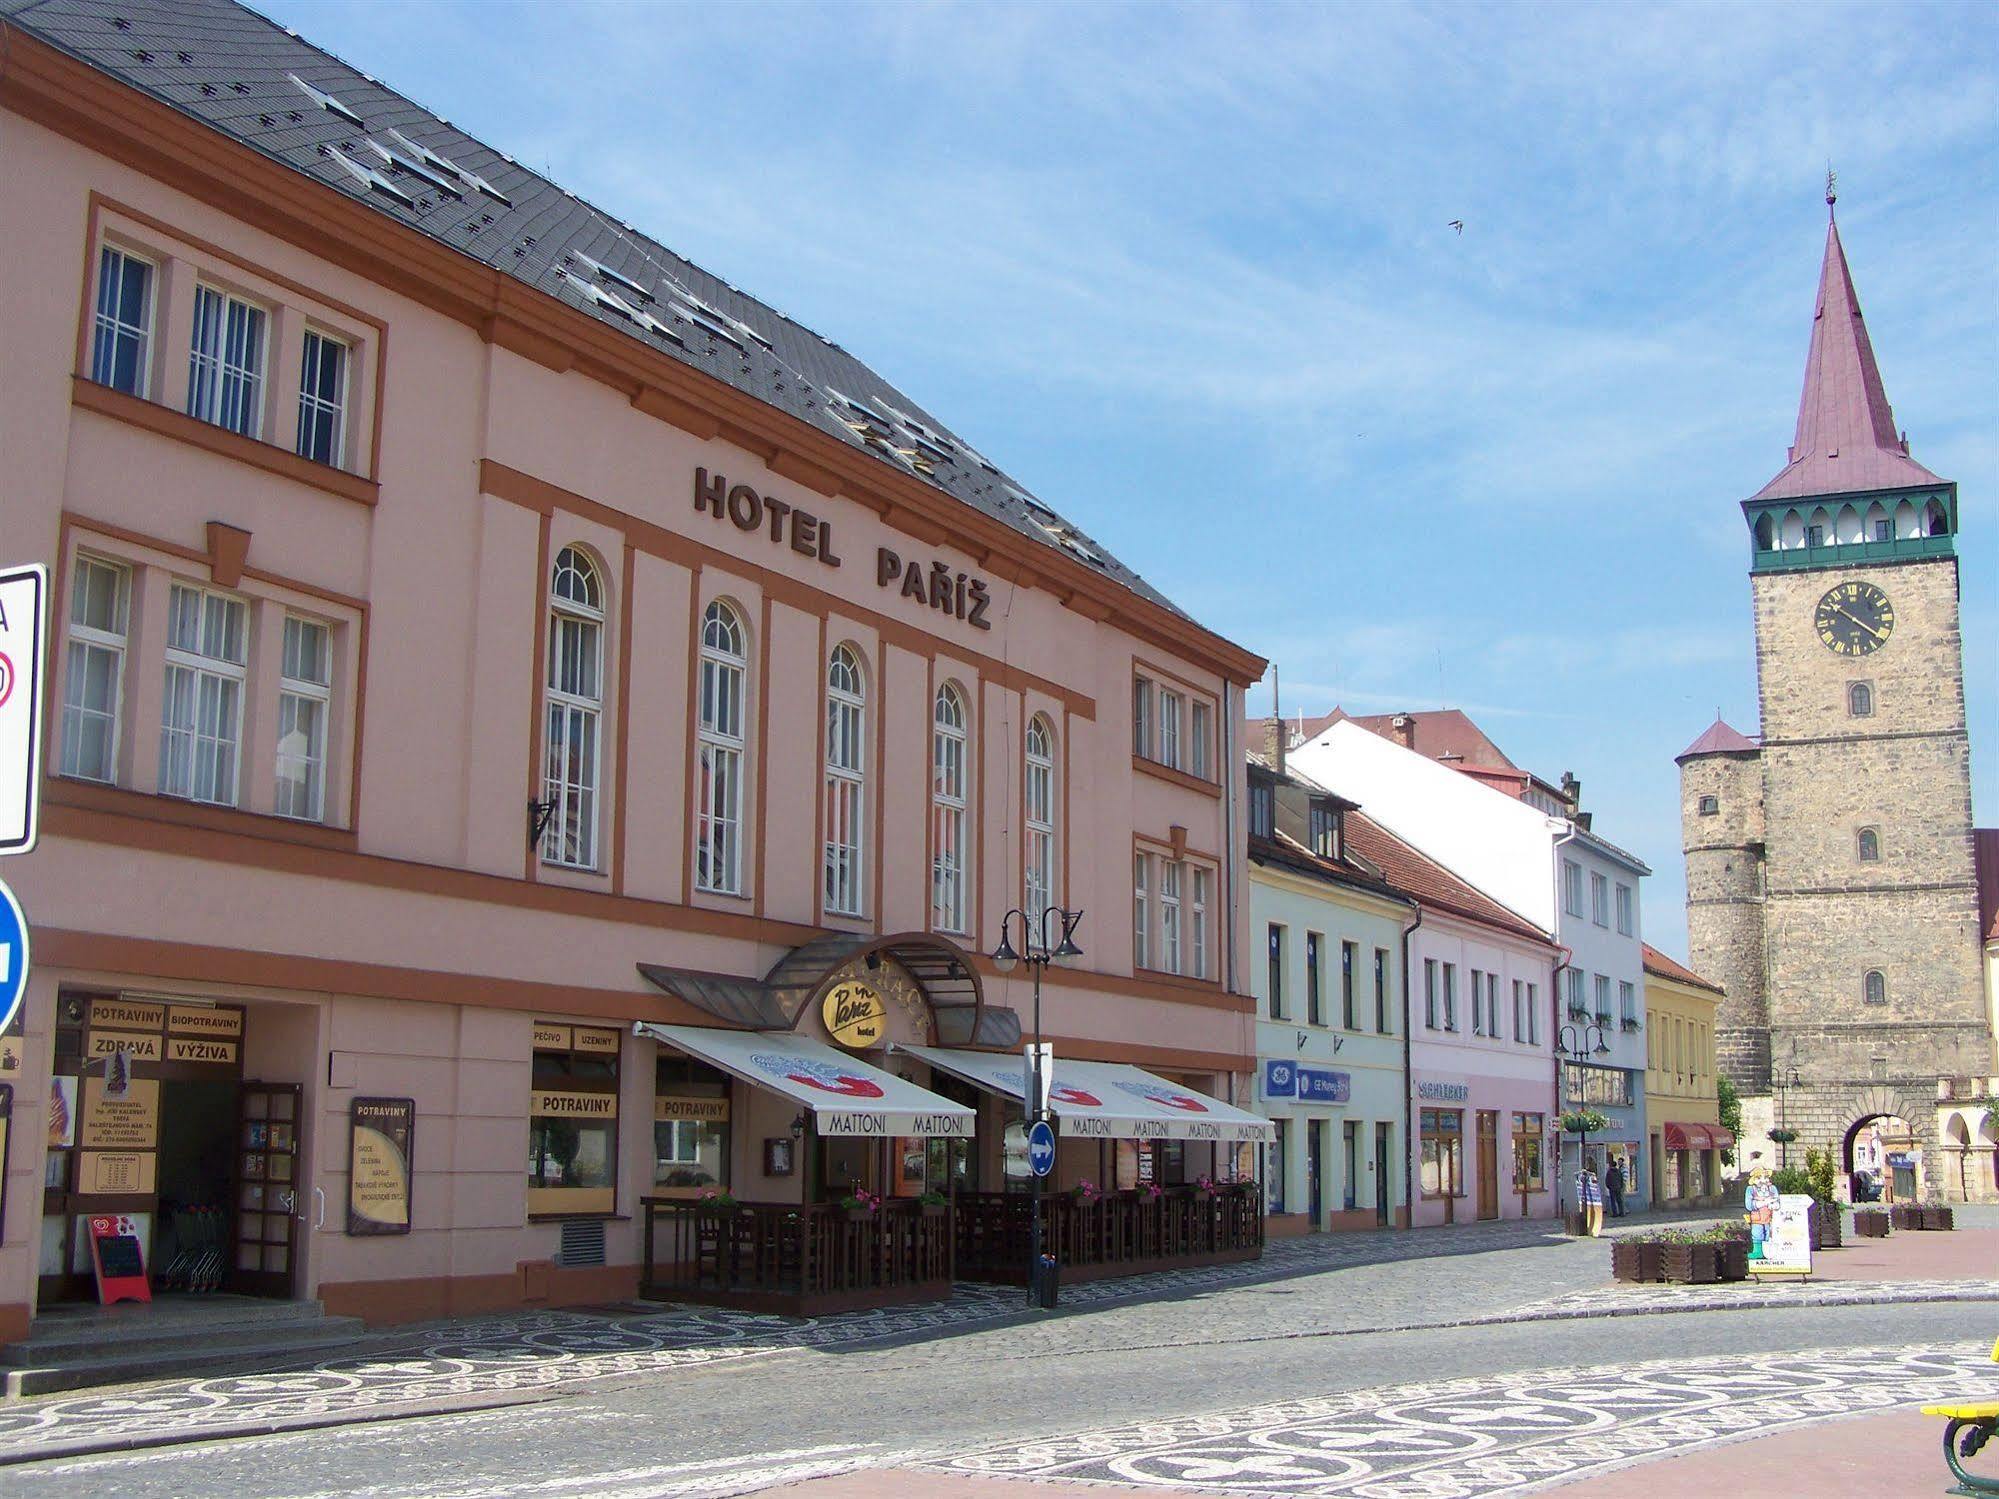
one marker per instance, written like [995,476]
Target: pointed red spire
[1846,437]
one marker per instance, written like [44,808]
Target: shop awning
[846,1095]
[1695,1137]
[1105,1100]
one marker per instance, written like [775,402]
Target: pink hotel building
[476,630]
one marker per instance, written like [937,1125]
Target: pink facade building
[476,631]
[1481,1075]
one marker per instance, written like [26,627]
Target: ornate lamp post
[1783,1134]
[1051,948]
[1575,1043]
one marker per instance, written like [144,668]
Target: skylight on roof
[371,179]
[603,272]
[325,100]
[714,320]
[612,303]
[445,164]
[404,161]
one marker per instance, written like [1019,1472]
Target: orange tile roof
[1657,962]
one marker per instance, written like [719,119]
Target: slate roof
[1417,874]
[1665,967]
[1719,739]
[232,69]
[1287,852]
[1846,439]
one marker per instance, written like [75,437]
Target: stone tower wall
[1725,939]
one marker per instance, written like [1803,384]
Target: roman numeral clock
[1854,619]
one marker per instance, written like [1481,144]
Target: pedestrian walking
[1589,1197]
[1613,1186]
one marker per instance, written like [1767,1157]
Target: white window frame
[1572,888]
[1627,910]
[574,711]
[1627,1000]
[1429,994]
[1038,865]
[213,362]
[107,326]
[307,698]
[949,780]
[84,644]
[1533,1015]
[844,864]
[1197,922]
[1171,710]
[1599,898]
[1519,1010]
[1602,997]
[1200,729]
[314,403]
[1450,997]
[1169,915]
[1141,716]
[723,702]
[202,670]
[1477,1002]
[1141,898]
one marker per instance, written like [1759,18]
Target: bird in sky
[1458,224]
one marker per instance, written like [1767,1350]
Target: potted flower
[716,1199]
[1638,1257]
[1870,1223]
[861,1205]
[1086,1192]
[1783,1136]
[1936,1214]
[1205,1189]
[1690,1258]
[933,1203]
[1905,1215]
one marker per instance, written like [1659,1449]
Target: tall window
[1870,846]
[1492,1006]
[202,716]
[1169,916]
[1040,821]
[1197,925]
[1170,705]
[1141,902]
[1519,1010]
[1603,998]
[304,689]
[846,782]
[718,847]
[1381,990]
[322,398]
[1430,993]
[1200,727]
[1626,910]
[1572,887]
[1450,996]
[1874,987]
[1276,971]
[1599,899]
[1441,1132]
[121,332]
[1315,1004]
[1627,1003]
[94,673]
[225,369]
[575,707]
[948,782]
[1349,955]
[1477,1002]
[1262,811]
[1325,831]
[1141,717]
[1532,1035]
[1860,700]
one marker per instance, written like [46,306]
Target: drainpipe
[1408,1109]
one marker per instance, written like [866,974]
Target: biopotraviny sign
[23,627]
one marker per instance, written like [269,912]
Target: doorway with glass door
[1488,1164]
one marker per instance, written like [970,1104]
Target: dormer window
[1262,811]
[1325,830]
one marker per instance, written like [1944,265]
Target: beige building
[1830,885]
[1682,1113]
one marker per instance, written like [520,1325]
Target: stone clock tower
[1829,863]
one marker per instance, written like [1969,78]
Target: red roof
[1846,438]
[1657,962]
[1440,733]
[1719,739]
[1985,859]
[1433,885]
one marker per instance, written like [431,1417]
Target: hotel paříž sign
[382,1131]
[854,1015]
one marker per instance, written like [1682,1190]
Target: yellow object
[1989,1411]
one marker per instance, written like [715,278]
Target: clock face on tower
[1854,619]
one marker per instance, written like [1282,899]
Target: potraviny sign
[23,626]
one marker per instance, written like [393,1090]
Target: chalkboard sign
[118,1260]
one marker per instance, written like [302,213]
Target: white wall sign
[23,626]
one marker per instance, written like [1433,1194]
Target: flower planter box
[1691,1264]
[1939,1218]
[1870,1223]
[1905,1215]
[1732,1259]
[1637,1262]
[934,1209]
[1826,1231]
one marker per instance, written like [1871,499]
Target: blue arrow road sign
[14,962]
[1040,1148]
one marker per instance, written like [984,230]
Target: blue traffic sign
[1040,1147]
[14,959]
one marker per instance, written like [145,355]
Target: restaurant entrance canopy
[1105,1100]
[845,1094]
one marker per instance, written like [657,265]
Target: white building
[1554,873]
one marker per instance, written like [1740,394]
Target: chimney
[1404,726]
[1572,790]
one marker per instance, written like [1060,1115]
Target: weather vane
[1831,186]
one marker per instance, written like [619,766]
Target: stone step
[87,1331]
[243,1350]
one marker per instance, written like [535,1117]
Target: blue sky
[1187,272]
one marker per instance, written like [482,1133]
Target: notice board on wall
[381,1134]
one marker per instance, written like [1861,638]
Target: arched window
[1766,532]
[575,704]
[1907,522]
[1847,528]
[1870,846]
[1860,700]
[1040,799]
[1794,531]
[718,846]
[846,782]
[1874,987]
[1818,530]
[1939,522]
[1879,526]
[948,787]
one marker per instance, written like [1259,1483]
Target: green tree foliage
[1731,1113]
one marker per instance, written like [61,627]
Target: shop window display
[573,1121]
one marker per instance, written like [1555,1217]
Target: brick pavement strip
[494,1361]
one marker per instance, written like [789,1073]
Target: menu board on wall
[379,1165]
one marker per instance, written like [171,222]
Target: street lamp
[1782,1133]
[1574,1045]
[1037,956]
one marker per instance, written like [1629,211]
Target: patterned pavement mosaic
[1503,1435]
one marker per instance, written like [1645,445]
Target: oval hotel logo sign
[855,1015]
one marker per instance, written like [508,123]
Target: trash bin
[1046,1279]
